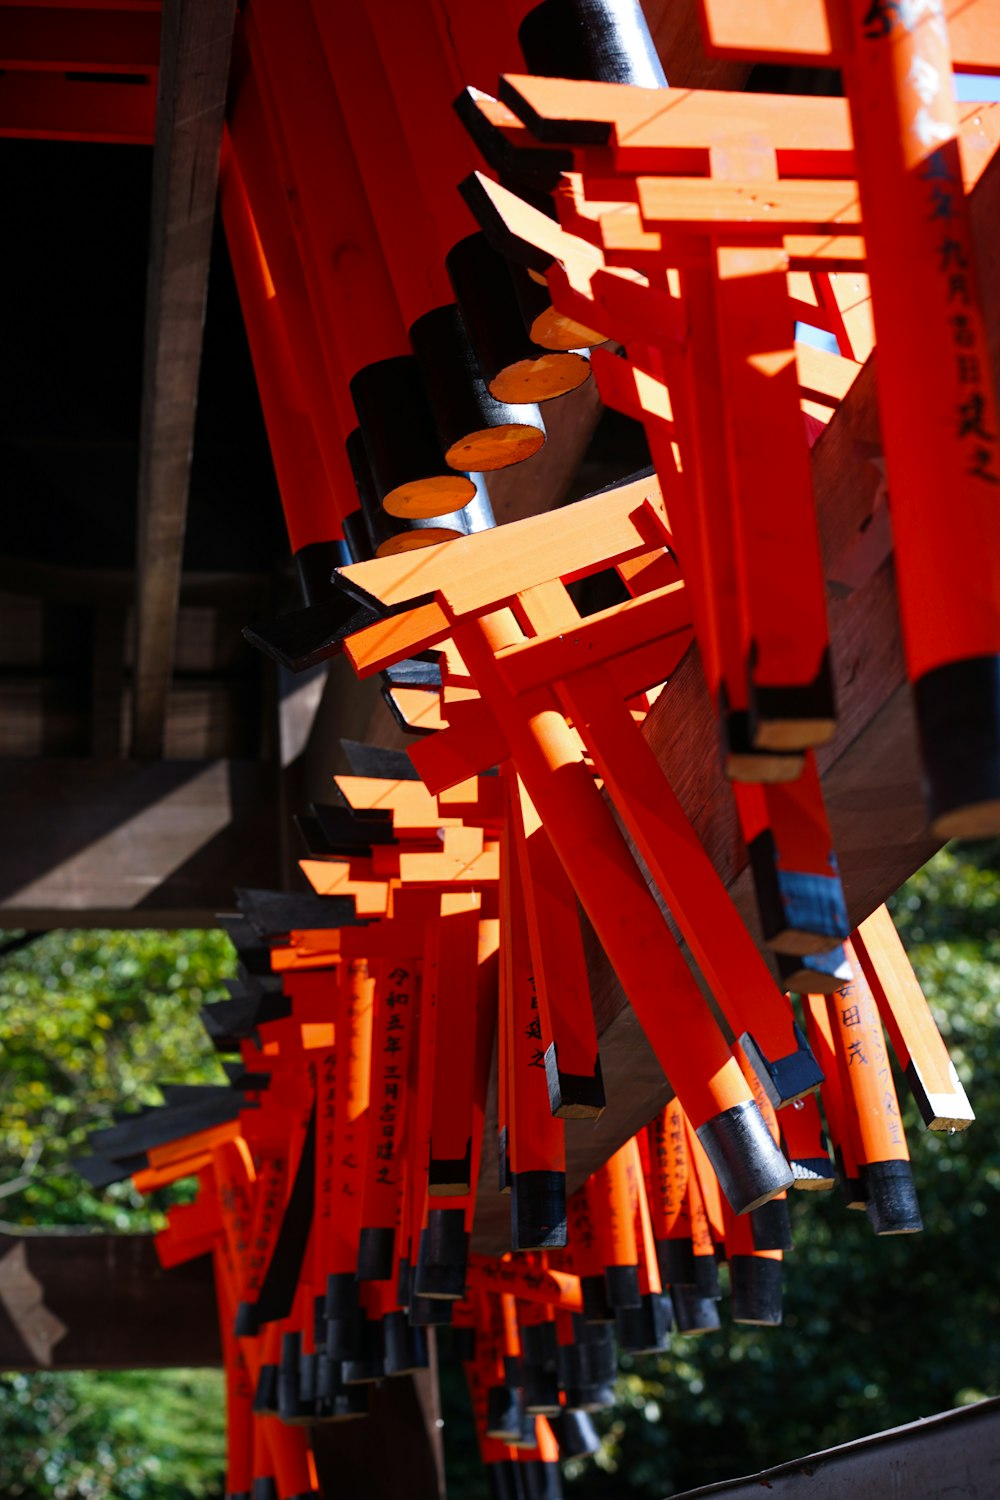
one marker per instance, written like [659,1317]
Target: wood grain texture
[120,1310]
[196,39]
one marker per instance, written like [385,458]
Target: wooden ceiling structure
[149,759]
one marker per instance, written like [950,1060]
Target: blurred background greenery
[876,1332]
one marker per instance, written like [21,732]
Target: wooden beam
[952,1453]
[196,39]
[870,772]
[117,843]
[82,1301]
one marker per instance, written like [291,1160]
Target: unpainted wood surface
[195,45]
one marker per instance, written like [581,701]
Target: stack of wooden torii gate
[694,230]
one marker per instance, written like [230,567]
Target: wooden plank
[953,1453]
[194,67]
[870,773]
[124,844]
[82,1301]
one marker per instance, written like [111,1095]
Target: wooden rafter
[194,66]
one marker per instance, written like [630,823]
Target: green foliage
[127,1435]
[90,1024]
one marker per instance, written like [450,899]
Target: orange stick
[395,1020]
[536,1137]
[565,1012]
[840,1117]
[885,1160]
[615,897]
[916,1041]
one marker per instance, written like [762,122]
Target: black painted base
[538,1210]
[376,1253]
[675,1259]
[755,1290]
[784,1079]
[958,723]
[574,1096]
[693,1313]
[892,1197]
[596,1307]
[645,1329]
[405,1345]
[795,717]
[622,1286]
[443,1255]
[771,1225]
[575,1434]
[504,1413]
[748,1164]
[541,1481]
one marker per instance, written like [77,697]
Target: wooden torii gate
[339,1188]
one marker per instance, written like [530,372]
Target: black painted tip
[706,1276]
[784,1079]
[449,1177]
[573,1096]
[431,1312]
[794,717]
[539,1343]
[443,1255]
[540,1388]
[755,1290]
[344,1336]
[504,1480]
[293,1408]
[771,1226]
[693,1312]
[305,637]
[236,1495]
[342,1295]
[307,1377]
[503,1160]
[405,1346]
[813,973]
[575,1433]
[813,1173]
[504,1413]
[319,1322]
[264,1489]
[314,565]
[538,1210]
[265,1397]
[675,1259]
[404,1283]
[958,723]
[376,1254]
[589,1398]
[369,1363]
[644,1329]
[892,1198]
[741,1149]
[622,1285]
[596,1352]
[596,1307]
[541,1481]
[800,912]
[247,1324]
[349,1404]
